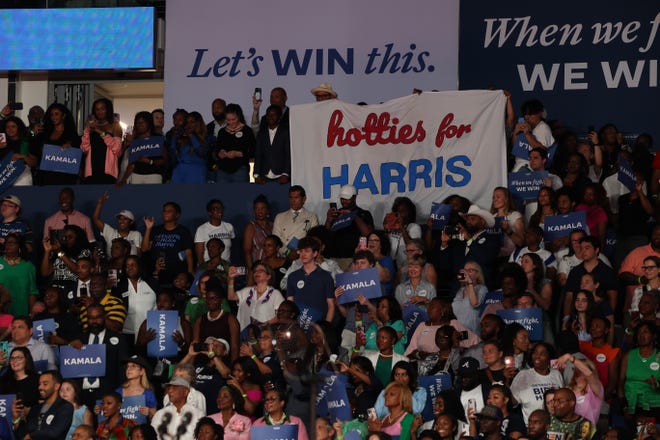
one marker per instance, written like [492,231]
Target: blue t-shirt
[312,290]
[388,264]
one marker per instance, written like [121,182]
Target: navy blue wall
[38,203]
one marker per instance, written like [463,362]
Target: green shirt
[21,282]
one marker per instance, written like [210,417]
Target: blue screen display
[86,38]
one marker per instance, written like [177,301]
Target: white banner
[371,50]
[426,147]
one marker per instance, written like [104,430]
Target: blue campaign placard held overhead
[62,160]
[626,174]
[86,362]
[145,147]
[365,282]
[440,213]
[165,323]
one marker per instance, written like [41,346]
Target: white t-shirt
[139,303]
[528,387]
[225,232]
[262,309]
[134,238]
[543,134]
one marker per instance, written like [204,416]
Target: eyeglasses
[16,358]
[649,267]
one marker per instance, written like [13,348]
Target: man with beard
[115,311]
[51,419]
[565,421]
[538,425]
[218,111]
[115,350]
[472,244]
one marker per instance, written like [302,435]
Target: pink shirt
[588,405]
[595,216]
[238,427]
[423,339]
[56,222]
[111,156]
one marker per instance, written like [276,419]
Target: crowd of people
[256,337]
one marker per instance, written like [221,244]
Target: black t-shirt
[343,242]
[171,245]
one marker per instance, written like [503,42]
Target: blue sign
[343,221]
[353,435]
[531,319]
[413,316]
[308,316]
[365,282]
[62,160]
[274,432]
[9,172]
[626,174]
[521,147]
[89,361]
[6,402]
[145,147]
[43,329]
[491,298]
[333,399]
[557,226]
[130,408]
[552,149]
[433,385]
[607,248]
[165,323]
[497,227]
[293,244]
[440,213]
[526,185]
[41,365]
[577,64]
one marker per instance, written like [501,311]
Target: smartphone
[371,413]
[240,270]
[3,137]
[112,277]
[333,205]
[16,106]
[472,404]
[553,364]
[363,243]
[257,93]
[83,292]
[200,346]
[521,120]
[460,276]
[508,361]
[464,335]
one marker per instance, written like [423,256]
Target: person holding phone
[101,144]
[259,302]
[22,378]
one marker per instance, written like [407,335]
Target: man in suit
[50,419]
[116,349]
[272,158]
[474,243]
[294,222]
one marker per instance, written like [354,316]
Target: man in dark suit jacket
[478,245]
[116,349]
[54,422]
[272,158]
